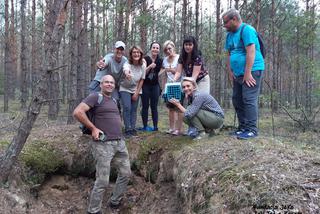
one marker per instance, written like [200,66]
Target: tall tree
[13,54]
[197,20]
[23,58]
[218,55]
[7,61]
[52,41]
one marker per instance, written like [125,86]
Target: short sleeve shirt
[113,67]
[106,115]
[237,50]
[138,72]
[188,67]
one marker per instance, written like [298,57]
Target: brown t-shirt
[106,115]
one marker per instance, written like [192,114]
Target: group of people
[119,79]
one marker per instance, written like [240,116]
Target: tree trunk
[184,19]
[174,28]
[52,41]
[217,84]
[7,62]
[72,87]
[93,57]
[143,26]
[13,55]
[23,58]
[197,20]
[126,26]
[82,50]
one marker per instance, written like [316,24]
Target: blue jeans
[245,102]
[129,110]
[150,97]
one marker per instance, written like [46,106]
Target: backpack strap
[241,32]
[100,98]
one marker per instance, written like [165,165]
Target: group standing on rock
[119,82]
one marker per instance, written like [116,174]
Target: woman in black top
[151,88]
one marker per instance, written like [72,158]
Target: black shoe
[114,206]
[127,134]
[134,132]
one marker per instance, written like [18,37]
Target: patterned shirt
[204,101]
[188,68]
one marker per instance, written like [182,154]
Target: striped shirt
[204,101]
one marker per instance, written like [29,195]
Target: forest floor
[170,174]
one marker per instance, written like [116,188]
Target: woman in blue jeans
[130,88]
[151,89]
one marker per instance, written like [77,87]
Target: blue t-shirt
[237,50]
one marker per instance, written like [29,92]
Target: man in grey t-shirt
[111,64]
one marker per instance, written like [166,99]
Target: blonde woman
[130,88]
[169,65]
[203,112]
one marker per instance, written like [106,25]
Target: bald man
[107,144]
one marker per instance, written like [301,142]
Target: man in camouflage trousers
[107,144]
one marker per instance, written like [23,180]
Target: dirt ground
[295,163]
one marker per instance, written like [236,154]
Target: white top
[137,73]
[173,64]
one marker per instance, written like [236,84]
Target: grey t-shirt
[138,72]
[106,115]
[113,67]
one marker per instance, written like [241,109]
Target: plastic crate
[172,90]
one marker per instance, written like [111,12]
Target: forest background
[49,50]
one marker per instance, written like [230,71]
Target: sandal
[170,131]
[176,133]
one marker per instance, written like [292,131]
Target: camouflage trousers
[105,153]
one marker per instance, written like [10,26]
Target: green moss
[4,144]
[42,160]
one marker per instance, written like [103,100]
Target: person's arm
[250,55]
[178,72]
[80,114]
[196,71]
[178,105]
[136,93]
[101,64]
[192,109]
[230,73]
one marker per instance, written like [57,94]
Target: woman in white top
[170,63]
[130,88]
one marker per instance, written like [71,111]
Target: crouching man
[107,144]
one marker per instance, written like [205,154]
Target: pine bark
[51,42]
[23,58]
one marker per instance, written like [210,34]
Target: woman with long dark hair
[191,63]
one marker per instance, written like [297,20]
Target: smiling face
[188,47]
[107,84]
[136,55]
[155,49]
[118,53]
[188,87]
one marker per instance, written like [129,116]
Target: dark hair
[153,44]
[195,51]
[130,54]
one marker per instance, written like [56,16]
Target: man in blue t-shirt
[245,66]
[111,64]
